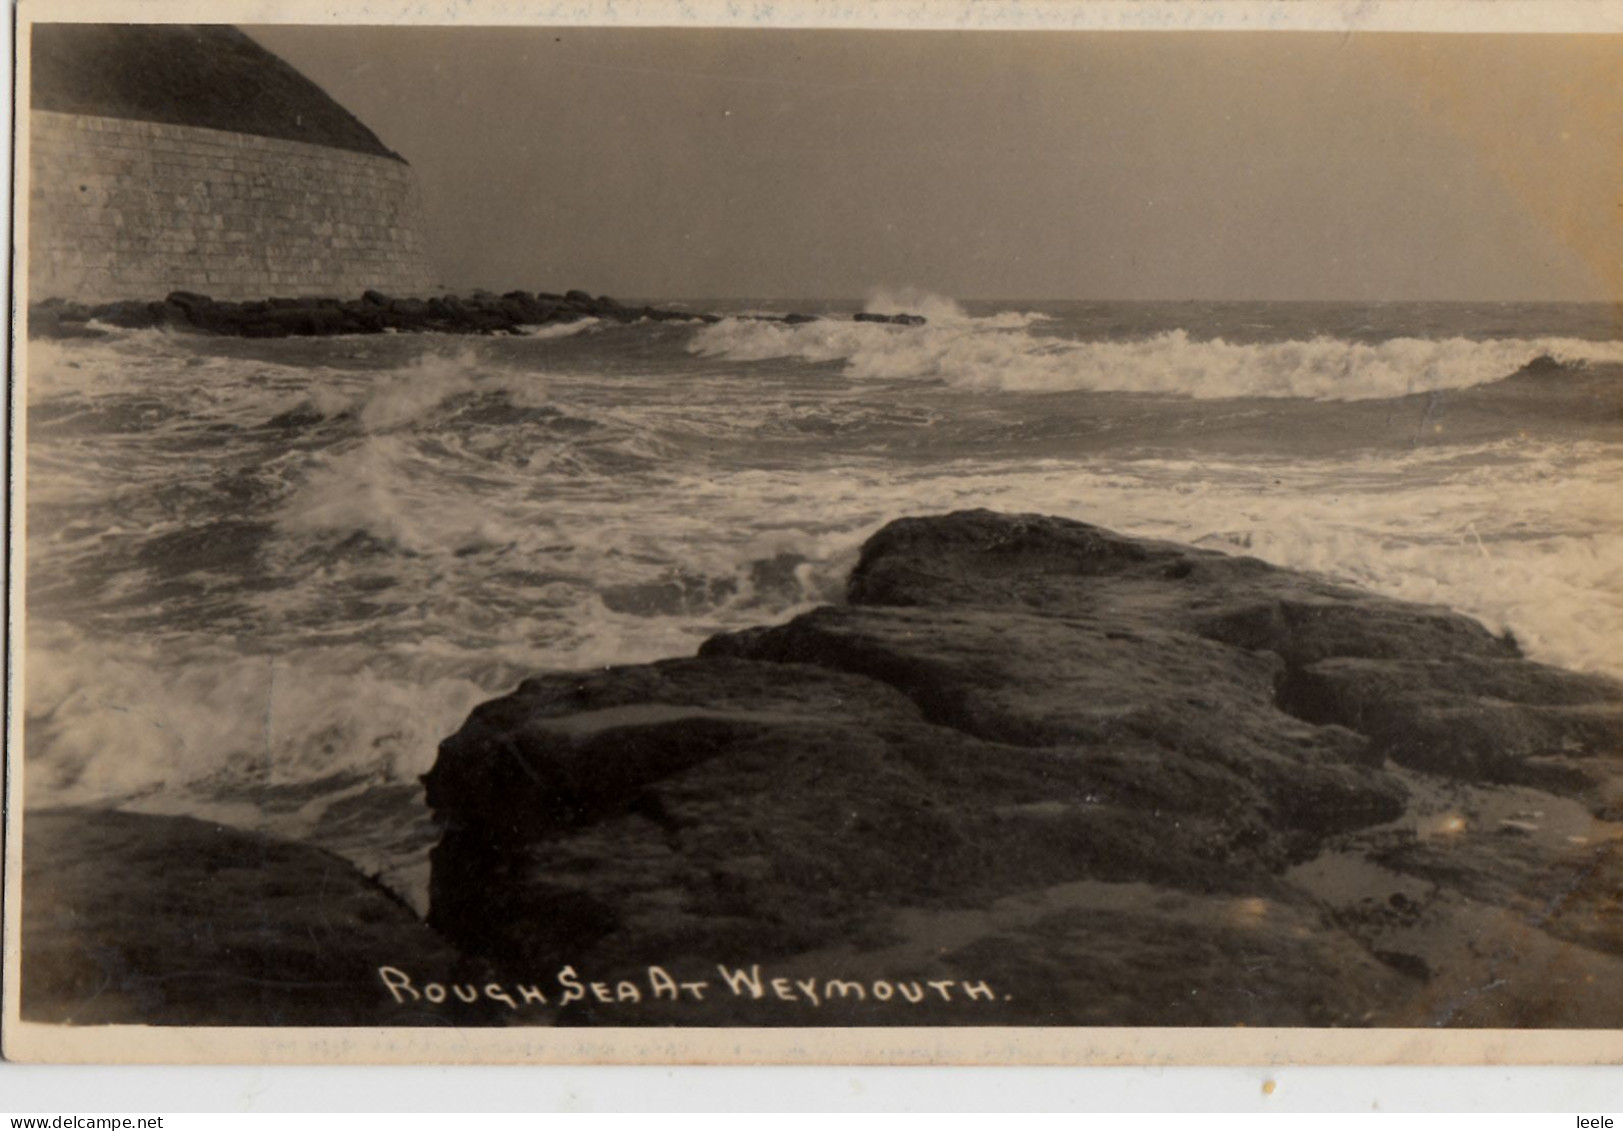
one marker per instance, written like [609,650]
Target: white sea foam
[119,724]
[993,355]
[563,329]
[418,391]
[501,544]
[1525,537]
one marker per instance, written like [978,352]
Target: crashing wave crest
[993,354]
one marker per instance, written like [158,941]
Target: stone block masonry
[120,208]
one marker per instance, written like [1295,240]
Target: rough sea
[266,578]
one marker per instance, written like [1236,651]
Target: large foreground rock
[135,919]
[1034,772]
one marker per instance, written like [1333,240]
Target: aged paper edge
[968,1046]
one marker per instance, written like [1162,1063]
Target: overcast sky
[823,164]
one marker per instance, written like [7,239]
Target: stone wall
[131,209]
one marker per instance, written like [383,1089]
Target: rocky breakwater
[1035,772]
[372,313]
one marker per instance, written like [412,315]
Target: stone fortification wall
[120,208]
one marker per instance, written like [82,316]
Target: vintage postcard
[1051,533]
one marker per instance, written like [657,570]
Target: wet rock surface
[1099,779]
[130,918]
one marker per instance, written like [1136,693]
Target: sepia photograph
[984,541]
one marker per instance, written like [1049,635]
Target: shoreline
[1088,771]
[374,313]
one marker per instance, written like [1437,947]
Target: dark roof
[208,75]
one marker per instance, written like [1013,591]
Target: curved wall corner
[120,208]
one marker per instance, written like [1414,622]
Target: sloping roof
[208,75]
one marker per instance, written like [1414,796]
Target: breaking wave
[911,300]
[265,579]
[999,354]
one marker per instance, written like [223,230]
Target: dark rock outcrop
[136,919]
[373,313]
[891,319]
[1031,772]
[1118,781]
